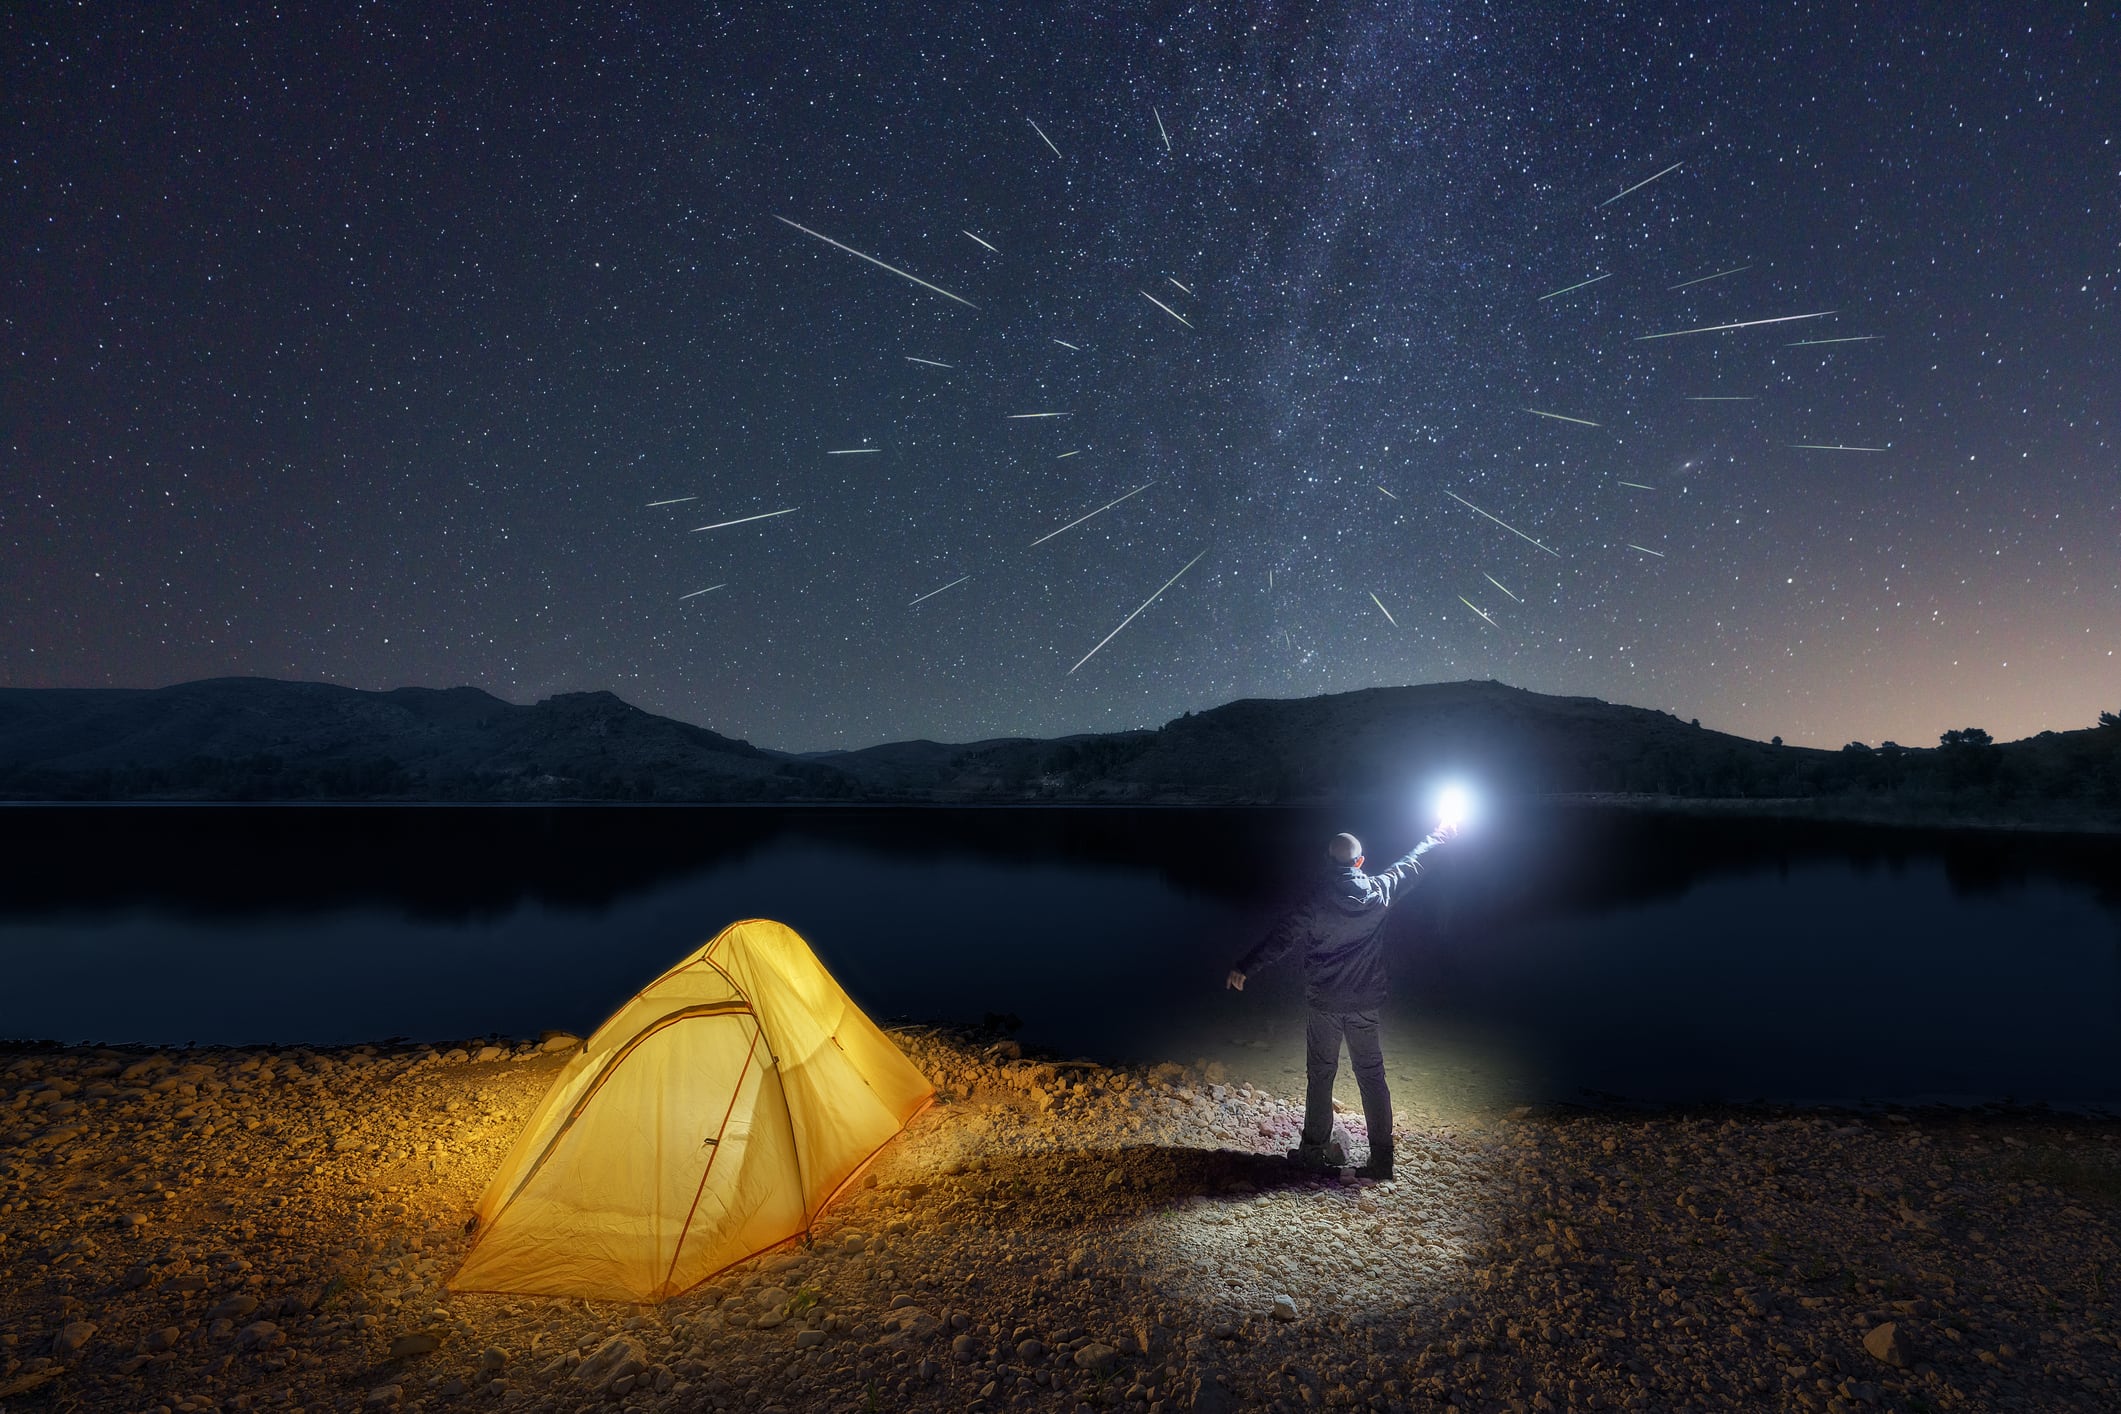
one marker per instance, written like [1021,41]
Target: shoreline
[270,1228]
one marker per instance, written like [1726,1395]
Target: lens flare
[1453,805]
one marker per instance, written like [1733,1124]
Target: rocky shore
[271,1229]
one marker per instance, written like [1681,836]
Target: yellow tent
[712,1117]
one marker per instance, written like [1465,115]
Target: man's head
[1345,849]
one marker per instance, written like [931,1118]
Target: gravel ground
[270,1229]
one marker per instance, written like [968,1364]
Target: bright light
[1453,804]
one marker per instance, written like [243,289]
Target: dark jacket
[1341,930]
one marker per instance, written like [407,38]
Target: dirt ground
[271,1230]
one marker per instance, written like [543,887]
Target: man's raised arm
[1408,865]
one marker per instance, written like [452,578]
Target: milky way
[1775,353]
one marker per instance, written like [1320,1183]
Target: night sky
[355,345]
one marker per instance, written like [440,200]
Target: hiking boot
[1379,1165]
[1328,1155]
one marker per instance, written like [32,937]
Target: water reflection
[1558,953]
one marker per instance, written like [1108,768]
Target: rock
[259,1335]
[1030,1350]
[163,1339]
[558,1041]
[774,1298]
[384,1397]
[964,1348]
[809,1339]
[491,1360]
[231,1308]
[603,1363]
[413,1343]
[1884,1344]
[1284,1308]
[1096,1358]
[72,1336]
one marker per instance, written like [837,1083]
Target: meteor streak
[1065,455]
[1723,400]
[1098,512]
[1503,523]
[1174,281]
[1844,339]
[1476,609]
[880,264]
[1742,324]
[1044,139]
[933,592]
[1641,184]
[1131,617]
[932,363]
[963,232]
[1166,308]
[1498,584]
[1388,493]
[1833,447]
[1704,279]
[1646,550]
[1562,417]
[745,520]
[1161,130]
[674,500]
[708,590]
[852,451]
[1066,345]
[1022,416]
[1577,286]
[1383,610]
[1636,484]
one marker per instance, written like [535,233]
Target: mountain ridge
[233,739]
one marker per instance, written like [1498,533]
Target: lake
[1553,954]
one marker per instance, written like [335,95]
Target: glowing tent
[712,1117]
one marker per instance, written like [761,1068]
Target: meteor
[1098,512]
[1022,416]
[932,363]
[1131,617]
[880,264]
[744,520]
[1383,610]
[1577,286]
[852,451]
[1704,279]
[1161,130]
[1503,523]
[1646,550]
[1636,484]
[1498,584]
[1174,281]
[1166,308]
[1388,493]
[674,500]
[1560,417]
[963,232]
[1641,184]
[933,592]
[1833,447]
[1066,345]
[708,590]
[1723,400]
[1742,324]
[1844,339]
[1044,139]
[1476,609]
[1065,455]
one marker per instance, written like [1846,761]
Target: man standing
[1341,929]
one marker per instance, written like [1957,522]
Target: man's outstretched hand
[1235,981]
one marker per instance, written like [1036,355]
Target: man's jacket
[1341,930]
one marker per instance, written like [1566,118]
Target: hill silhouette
[259,739]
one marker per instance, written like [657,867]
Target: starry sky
[360,343]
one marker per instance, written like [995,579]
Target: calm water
[1553,954]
